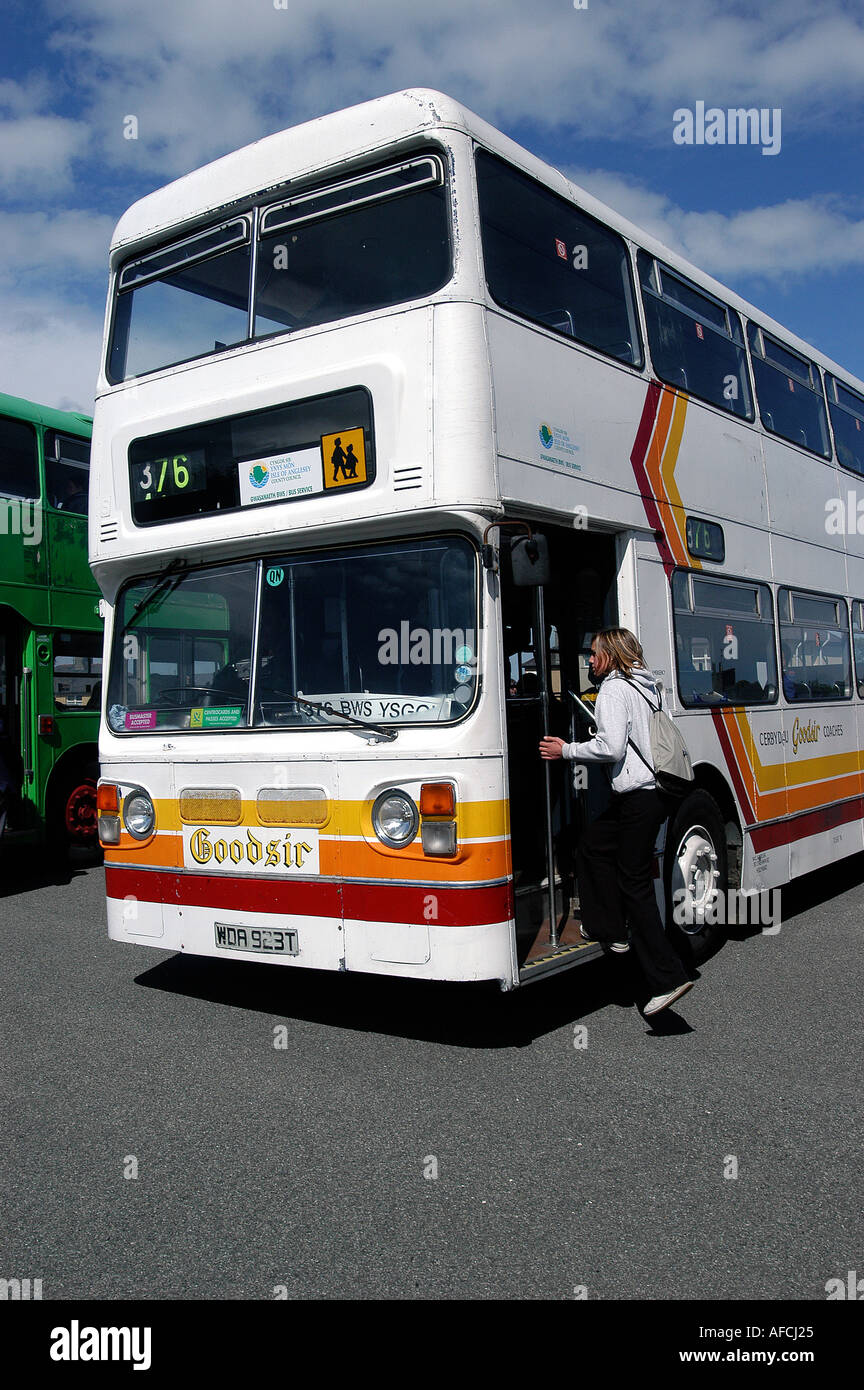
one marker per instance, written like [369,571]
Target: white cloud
[779,242]
[49,349]
[206,76]
[36,154]
[20,98]
[53,281]
[56,246]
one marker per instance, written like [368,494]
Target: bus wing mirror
[529,561]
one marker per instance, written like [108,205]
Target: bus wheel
[78,810]
[696,877]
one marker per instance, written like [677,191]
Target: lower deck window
[814,646]
[724,638]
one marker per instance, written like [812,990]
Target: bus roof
[70,421]
[344,137]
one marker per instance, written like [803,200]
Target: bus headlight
[139,814]
[395,818]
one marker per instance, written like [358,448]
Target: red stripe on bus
[392,902]
[637,458]
[732,764]
[807,823]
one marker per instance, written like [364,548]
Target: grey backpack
[672,768]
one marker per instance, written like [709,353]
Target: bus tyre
[696,877]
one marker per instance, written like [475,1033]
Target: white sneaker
[662,1001]
[619,947]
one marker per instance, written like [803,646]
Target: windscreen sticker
[224,718]
[280,477]
[140,719]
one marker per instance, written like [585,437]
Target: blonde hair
[622,649]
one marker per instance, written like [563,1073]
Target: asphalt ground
[427,1142]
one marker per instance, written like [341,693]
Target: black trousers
[614,863]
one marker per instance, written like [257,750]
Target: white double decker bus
[391,419]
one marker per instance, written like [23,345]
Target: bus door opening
[547,638]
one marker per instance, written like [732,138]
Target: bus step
[555,959]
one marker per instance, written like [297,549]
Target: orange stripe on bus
[667,474]
[661,457]
[773,797]
[475,863]
[475,820]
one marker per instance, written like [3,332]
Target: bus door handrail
[26,679]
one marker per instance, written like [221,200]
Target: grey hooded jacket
[621,713]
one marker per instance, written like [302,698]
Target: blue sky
[591,90]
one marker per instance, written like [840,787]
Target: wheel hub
[694,879]
[80,814]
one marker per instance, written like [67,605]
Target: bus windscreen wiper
[388,734]
[166,582]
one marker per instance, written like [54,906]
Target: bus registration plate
[263,940]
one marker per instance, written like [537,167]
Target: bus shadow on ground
[459,1015]
[454,1015]
[27,869]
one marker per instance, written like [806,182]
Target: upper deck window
[19,467]
[550,262]
[846,408]
[789,392]
[697,342]
[67,471]
[330,252]
[358,245]
[182,301]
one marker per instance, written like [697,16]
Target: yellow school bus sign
[344,458]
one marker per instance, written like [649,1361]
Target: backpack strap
[632,683]
[650,766]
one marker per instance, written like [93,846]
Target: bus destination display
[170,476]
[318,446]
[705,540]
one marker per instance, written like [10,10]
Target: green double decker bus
[50,630]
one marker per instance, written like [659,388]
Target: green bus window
[19,467]
[77,670]
[67,471]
